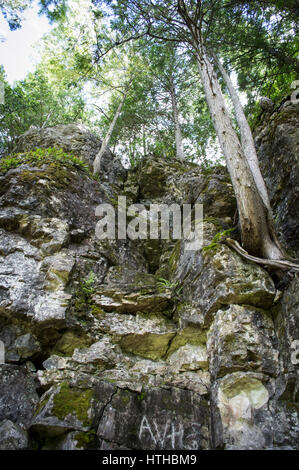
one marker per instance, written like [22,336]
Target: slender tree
[191,22]
[106,140]
[178,133]
[167,69]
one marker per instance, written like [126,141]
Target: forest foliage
[165,77]
[82,74]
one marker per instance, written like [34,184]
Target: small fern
[87,285]
[217,240]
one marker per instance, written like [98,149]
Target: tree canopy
[166,77]
[13,10]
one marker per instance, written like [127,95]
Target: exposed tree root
[285,265]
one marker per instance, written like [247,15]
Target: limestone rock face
[75,139]
[240,410]
[12,436]
[166,420]
[216,276]
[242,337]
[18,396]
[138,344]
[277,143]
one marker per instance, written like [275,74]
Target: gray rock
[155,419]
[217,276]
[277,143]
[27,346]
[18,397]
[63,408]
[143,344]
[128,291]
[73,441]
[76,139]
[240,414]
[12,436]
[266,104]
[242,338]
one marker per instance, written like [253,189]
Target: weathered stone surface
[76,441]
[63,408]
[156,419]
[12,436]
[284,406]
[187,183]
[144,335]
[189,357]
[21,285]
[285,401]
[99,356]
[76,139]
[240,412]
[242,338]
[68,413]
[277,142]
[27,346]
[18,397]
[287,327]
[139,344]
[128,291]
[217,276]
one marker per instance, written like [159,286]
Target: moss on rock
[55,157]
[72,401]
[69,342]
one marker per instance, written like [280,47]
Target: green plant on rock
[41,156]
[175,287]
[83,298]
[141,396]
[88,284]
[165,283]
[218,238]
[85,439]
[72,401]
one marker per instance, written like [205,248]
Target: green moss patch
[72,401]
[215,243]
[39,157]
[85,439]
[83,297]
[70,341]
[150,346]
[41,405]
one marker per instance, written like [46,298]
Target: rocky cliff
[140,344]
[277,142]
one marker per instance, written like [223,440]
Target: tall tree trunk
[97,161]
[256,238]
[246,136]
[178,134]
[144,140]
[249,149]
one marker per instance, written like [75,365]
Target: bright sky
[17,53]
